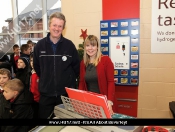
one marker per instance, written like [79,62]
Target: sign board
[120,40]
[163,26]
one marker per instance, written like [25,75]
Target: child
[30,44]
[4,59]
[25,51]
[16,104]
[5,75]
[14,58]
[23,72]
[4,62]
[34,79]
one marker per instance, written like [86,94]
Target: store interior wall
[157,71]
[81,14]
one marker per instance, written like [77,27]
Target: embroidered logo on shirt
[43,51]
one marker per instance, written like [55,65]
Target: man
[57,64]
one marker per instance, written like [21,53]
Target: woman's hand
[110,107]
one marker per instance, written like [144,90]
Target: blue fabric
[54,46]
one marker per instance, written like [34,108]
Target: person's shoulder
[67,41]
[82,62]
[11,54]
[105,57]
[34,75]
[25,97]
[4,57]
[41,41]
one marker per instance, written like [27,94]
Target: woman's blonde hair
[92,40]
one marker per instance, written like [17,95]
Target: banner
[163,26]
[87,122]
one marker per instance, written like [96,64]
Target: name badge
[64,58]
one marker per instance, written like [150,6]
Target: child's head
[16,49]
[29,41]
[22,62]
[25,49]
[31,61]
[30,44]
[12,88]
[5,75]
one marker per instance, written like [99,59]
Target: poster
[163,26]
[120,52]
[120,40]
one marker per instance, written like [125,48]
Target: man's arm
[76,62]
[36,63]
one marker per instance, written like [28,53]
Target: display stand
[69,110]
[83,108]
[120,40]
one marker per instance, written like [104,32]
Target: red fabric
[34,87]
[16,58]
[1,90]
[11,100]
[105,73]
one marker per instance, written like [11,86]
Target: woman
[97,71]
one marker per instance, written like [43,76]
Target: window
[6,35]
[52,7]
[30,36]
[27,22]
[30,22]
[30,13]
